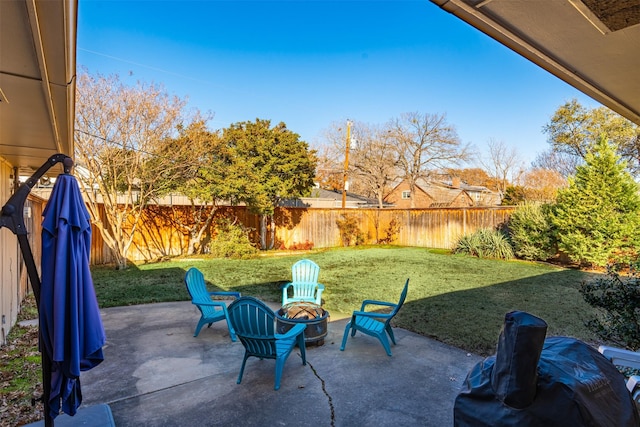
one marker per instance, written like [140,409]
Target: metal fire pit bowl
[312,315]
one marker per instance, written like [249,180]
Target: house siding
[9,263]
[15,284]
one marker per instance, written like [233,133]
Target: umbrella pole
[12,219]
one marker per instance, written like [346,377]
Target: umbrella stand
[12,218]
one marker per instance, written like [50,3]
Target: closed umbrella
[71,328]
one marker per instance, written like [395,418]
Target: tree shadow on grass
[471,319]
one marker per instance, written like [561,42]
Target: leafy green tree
[273,163]
[598,214]
[574,130]
[207,172]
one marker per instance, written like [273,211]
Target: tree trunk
[263,232]
[121,261]
[273,232]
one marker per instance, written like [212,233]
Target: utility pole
[346,165]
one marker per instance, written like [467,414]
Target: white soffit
[37,80]
[593,45]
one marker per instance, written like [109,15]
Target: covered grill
[533,381]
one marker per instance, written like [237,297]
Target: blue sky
[314,63]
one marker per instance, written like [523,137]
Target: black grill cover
[575,385]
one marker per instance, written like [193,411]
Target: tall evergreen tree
[597,217]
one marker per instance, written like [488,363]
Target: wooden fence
[159,235]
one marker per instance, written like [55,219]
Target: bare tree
[423,143]
[373,161]
[503,164]
[118,129]
[330,170]
[561,162]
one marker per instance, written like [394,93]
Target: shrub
[232,241]
[618,299]
[485,243]
[391,232]
[306,246]
[350,230]
[531,231]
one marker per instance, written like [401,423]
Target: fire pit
[312,315]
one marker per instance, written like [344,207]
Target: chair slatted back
[403,296]
[194,279]
[305,271]
[304,275]
[305,291]
[253,322]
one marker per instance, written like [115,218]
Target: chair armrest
[633,385]
[373,302]
[372,314]
[210,303]
[320,287]
[293,332]
[224,293]
[621,357]
[287,285]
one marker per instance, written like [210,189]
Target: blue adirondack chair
[304,283]
[375,324]
[254,324]
[210,310]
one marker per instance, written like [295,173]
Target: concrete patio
[156,373]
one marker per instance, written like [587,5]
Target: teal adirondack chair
[254,324]
[304,283]
[375,324]
[210,310]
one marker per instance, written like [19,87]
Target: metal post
[346,165]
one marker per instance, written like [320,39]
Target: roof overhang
[592,45]
[37,80]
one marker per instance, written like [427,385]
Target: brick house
[438,194]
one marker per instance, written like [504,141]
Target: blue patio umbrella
[71,326]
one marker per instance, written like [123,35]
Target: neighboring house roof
[322,198]
[445,193]
[590,44]
[478,193]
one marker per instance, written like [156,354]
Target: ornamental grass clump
[485,243]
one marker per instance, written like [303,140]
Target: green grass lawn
[456,299]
